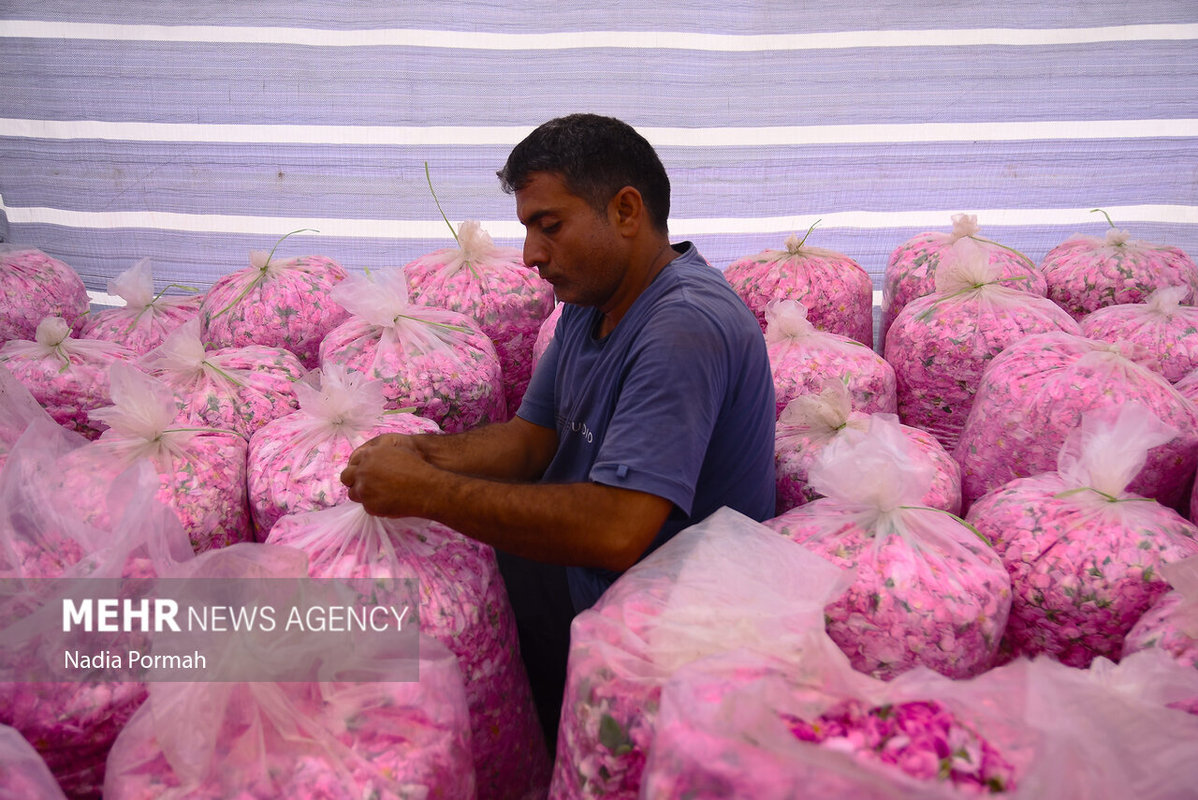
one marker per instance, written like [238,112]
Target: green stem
[200,430]
[1005,247]
[968,525]
[1100,211]
[222,373]
[262,272]
[428,177]
[158,296]
[1110,498]
[155,299]
[447,326]
[808,233]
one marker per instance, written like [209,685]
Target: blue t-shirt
[677,401]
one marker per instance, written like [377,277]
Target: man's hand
[385,475]
[583,524]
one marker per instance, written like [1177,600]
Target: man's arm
[463,481]
[514,450]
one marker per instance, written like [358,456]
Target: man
[652,407]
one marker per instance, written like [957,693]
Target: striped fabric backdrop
[195,132]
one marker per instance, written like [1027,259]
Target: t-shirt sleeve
[673,388]
[537,404]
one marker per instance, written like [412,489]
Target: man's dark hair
[595,157]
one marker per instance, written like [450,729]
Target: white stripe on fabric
[766,136]
[511,229]
[574,40]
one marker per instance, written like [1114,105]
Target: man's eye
[551,228]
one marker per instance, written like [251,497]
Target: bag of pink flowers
[33,286]
[18,410]
[352,730]
[295,461]
[67,376]
[275,303]
[811,422]
[803,359]
[234,388]
[434,360]
[201,471]
[940,343]
[147,316]
[1086,273]
[493,286]
[912,267]
[71,717]
[1036,391]
[23,773]
[545,333]
[836,291]
[743,726]
[1171,623]
[1084,552]
[464,605]
[1165,329]
[928,589]
[722,584]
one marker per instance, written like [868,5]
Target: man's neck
[640,282]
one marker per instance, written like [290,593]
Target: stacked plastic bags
[464,606]
[928,589]
[493,286]
[1085,554]
[341,738]
[804,359]
[119,531]
[432,360]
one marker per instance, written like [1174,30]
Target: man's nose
[534,252]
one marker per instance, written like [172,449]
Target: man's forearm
[513,450]
[575,524]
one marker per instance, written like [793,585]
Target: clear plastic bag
[33,286]
[18,410]
[433,360]
[146,319]
[1084,552]
[233,388]
[723,584]
[295,461]
[373,737]
[67,376]
[809,423]
[464,605]
[803,360]
[836,291]
[1171,624]
[275,303]
[1036,391]
[201,472]
[940,343]
[743,727]
[493,286]
[546,332]
[23,773]
[911,269]
[1165,329]
[1086,273]
[44,533]
[928,591]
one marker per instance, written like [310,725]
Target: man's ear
[627,210]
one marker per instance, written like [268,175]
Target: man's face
[571,245]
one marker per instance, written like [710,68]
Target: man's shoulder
[695,290]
